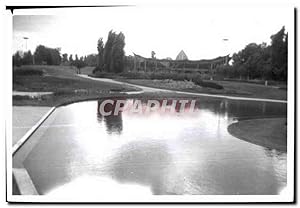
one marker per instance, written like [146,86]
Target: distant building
[181,56]
[203,66]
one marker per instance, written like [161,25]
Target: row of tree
[89,60]
[261,61]
[51,56]
[42,55]
[25,58]
[111,55]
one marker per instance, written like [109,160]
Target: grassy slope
[67,87]
[270,133]
[255,90]
[230,88]
[62,79]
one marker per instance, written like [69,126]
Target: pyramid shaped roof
[181,56]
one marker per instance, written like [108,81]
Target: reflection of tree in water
[113,123]
[242,109]
[99,117]
[274,153]
[143,162]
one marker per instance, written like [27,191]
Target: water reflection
[169,153]
[142,162]
[114,123]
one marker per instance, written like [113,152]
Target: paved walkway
[143,88]
[25,117]
[31,94]
[152,89]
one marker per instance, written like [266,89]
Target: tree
[100,48]
[65,58]
[71,60]
[55,56]
[117,60]
[107,55]
[79,63]
[113,56]
[45,55]
[263,61]
[279,49]
[40,54]
[252,61]
[27,58]
[17,60]
[91,60]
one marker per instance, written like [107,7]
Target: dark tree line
[111,55]
[261,61]
[89,60]
[42,55]
[51,56]
[23,59]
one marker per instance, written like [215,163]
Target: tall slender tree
[65,58]
[107,55]
[17,59]
[117,61]
[100,48]
[279,49]
[113,56]
[71,59]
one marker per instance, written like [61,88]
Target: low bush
[211,85]
[100,74]
[196,78]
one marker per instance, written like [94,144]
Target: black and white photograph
[150,103]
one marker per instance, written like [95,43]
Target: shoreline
[267,132]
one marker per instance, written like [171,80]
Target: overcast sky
[198,31]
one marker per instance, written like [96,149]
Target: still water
[78,151]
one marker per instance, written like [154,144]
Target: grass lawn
[270,133]
[63,82]
[230,88]
[179,81]
[255,90]
[60,79]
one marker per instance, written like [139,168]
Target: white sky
[199,31]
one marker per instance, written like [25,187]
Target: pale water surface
[77,151]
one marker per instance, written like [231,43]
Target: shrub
[196,78]
[198,81]
[100,74]
[211,85]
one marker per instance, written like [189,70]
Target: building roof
[181,56]
[201,61]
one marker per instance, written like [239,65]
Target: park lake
[78,151]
